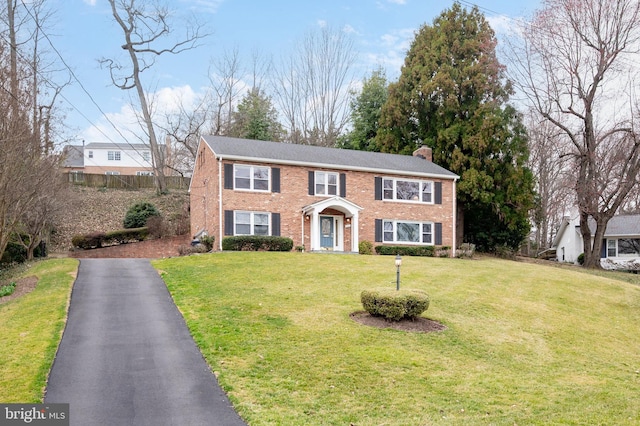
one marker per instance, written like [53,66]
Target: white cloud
[209,6]
[321,23]
[90,2]
[397,1]
[349,29]
[502,24]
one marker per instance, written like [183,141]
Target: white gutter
[338,167]
[220,218]
[455,219]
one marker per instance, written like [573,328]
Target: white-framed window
[612,248]
[251,223]
[326,183]
[113,155]
[407,232]
[112,173]
[251,178]
[419,191]
[627,247]
[90,154]
[144,173]
[146,155]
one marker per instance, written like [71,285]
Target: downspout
[455,219]
[302,228]
[220,230]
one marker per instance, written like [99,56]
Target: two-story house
[109,158]
[321,198]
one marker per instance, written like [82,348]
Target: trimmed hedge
[428,251]
[395,305]
[257,243]
[365,247]
[101,239]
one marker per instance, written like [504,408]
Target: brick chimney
[423,152]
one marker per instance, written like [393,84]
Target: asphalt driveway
[126,356]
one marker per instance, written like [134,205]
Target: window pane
[261,230]
[242,183]
[243,172]
[426,192]
[261,219]
[243,217]
[407,190]
[261,173]
[333,189]
[612,248]
[261,185]
[332,179]
[628,247]
[319,188]
[387,189]
[426,233]
[408,232]
[243,229]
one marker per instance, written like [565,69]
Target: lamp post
[398,263]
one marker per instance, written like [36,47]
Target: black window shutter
[378,187]
[228,222]
[275,224]
[312,184]
[438,238]
[275,179]
[378,237]
[228,176]
[603,250]
[343,185]
[438,193]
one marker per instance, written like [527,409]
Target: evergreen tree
[256,118]
[365,113]
[452,96]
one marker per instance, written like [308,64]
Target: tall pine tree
[452,96]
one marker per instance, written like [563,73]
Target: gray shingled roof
[307,155]
[73,156]
[620,226]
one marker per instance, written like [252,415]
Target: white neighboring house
[620,248]
[109,158]
[117,159]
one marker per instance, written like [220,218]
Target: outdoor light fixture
[398,263]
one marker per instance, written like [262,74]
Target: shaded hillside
[103,210]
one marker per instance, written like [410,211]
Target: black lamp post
[398,263]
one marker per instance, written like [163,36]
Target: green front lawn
[525,343]
[32,327]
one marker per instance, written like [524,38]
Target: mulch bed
[23,286]
[419,325]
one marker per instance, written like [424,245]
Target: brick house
[321,198]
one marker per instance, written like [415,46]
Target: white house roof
[620,226]
[334,158]
[121,146]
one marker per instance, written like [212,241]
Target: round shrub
[365,247]
[581,259]
[395,305]
[138,214]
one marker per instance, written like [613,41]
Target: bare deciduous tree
[574,62]
[145,27]
[549,162]
[311,87]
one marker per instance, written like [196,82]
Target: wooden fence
[125,181]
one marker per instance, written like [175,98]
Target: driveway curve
[126,355]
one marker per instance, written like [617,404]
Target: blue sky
[84,31]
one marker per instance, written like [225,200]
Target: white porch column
[355,226]
[315,241]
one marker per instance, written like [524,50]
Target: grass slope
[32,327]
[525,344]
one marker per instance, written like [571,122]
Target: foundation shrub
[395,305]
[428,251]
[257,243]
[365,247]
